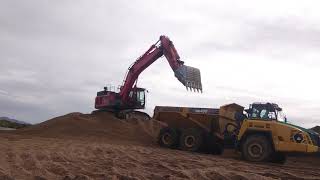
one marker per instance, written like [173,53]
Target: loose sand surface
[100,146]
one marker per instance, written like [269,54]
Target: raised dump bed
[194,129]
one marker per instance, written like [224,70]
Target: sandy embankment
[99,146]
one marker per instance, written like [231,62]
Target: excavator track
[126,114]
[132,114]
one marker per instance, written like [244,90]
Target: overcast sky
[55,55]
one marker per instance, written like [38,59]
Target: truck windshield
[281,116]
[262,113]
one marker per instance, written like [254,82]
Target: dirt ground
[99,146]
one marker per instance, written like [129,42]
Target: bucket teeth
[190,77]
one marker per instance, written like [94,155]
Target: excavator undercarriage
[125,114]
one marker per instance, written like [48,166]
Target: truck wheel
[168,137]
[217,149]
[279,158]
[214,145]
[191,140]
[256,148]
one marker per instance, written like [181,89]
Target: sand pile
[98,126]
[100,146]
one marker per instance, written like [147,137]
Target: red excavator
[130,97]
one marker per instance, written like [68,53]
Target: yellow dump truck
[260,133]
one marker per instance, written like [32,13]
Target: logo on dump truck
[201,111]
[191,110]
[204,110]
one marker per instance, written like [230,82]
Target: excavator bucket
[190,77]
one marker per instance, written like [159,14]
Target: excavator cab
[137,98]
[111,100]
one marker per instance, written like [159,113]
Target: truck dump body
[211,120]
[187,117]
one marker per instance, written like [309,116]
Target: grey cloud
[284,38]
[24,111]
[286,31]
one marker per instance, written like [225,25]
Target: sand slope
[100,146]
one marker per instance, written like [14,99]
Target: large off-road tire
[217,149]
[168,137]
[257,148]
[279,158]
[213,145]
[191,140]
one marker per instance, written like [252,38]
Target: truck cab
[266,111]
[265,135]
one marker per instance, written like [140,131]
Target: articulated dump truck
[260,134]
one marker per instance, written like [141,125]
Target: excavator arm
[188,76]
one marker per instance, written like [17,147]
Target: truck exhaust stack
[189,77]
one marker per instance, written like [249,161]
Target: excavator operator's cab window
[141,97]
[137,97]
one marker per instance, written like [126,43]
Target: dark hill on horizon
[12,123]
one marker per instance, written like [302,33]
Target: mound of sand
[97,126]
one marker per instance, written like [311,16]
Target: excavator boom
[188,76]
